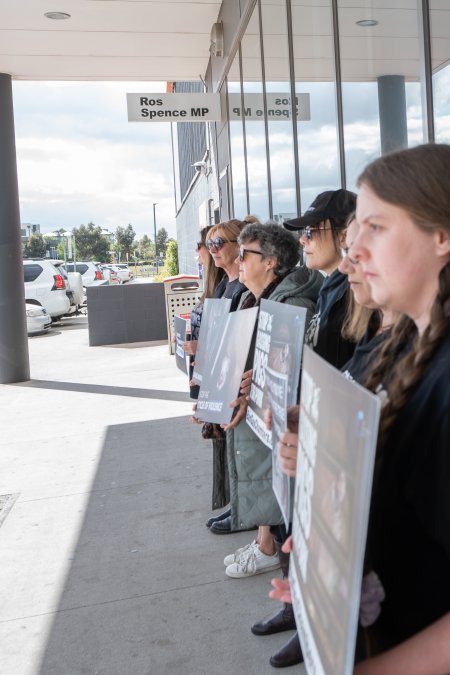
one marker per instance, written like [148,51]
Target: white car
[122,272]
[38,321]
[74,286]
[126,270]
[111,275]
[91,272]
[45,286]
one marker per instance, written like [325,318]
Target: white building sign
[278,107]
[174,107]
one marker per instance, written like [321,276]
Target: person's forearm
[427,653]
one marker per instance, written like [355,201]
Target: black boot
[289,655]
[216,519]
[284,618]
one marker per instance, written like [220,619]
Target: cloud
[80,160]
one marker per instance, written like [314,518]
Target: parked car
[126,269]
[45,286]
[74,286]
[91,272]
[121,271]
[111,275]
[38,321]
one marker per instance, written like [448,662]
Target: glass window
[236,127]
[278,89]
[31,272]
[255,132]
[312,27]
[440,56]
[381,88]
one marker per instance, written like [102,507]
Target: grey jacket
[252,499]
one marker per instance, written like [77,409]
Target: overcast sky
[80,160]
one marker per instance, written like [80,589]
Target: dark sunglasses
[309,232]
[218,242]
[243,251]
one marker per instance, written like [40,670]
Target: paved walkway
[106,566]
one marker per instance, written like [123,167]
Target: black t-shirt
[409,528]
[324,331]
[232,290]
[358,367]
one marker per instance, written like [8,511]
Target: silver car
[38,321]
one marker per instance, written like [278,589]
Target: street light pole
[154,228]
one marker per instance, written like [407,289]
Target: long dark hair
[416,180]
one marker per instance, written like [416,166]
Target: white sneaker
[256,562]
[234,557]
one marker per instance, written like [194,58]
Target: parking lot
[107,566]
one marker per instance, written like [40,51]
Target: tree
[146,248]
[35,247]
[172,258]
[161,241]
[124,240]
[91,243]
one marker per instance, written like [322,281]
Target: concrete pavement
[106,565]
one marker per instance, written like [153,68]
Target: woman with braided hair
[403,247]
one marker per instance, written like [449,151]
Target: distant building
[27,229]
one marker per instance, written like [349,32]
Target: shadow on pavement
[146,592]
[161,394]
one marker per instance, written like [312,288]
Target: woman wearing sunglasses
[322,231]
[322,235]
[222,247]
[268,256]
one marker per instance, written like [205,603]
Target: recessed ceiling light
[57,15]
[367,23]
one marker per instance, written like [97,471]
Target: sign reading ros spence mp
[174,107]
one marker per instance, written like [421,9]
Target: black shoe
[277,623]
[221,526]
[216,519]
[289,655]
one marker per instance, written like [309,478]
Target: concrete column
[14,362]
[392,107]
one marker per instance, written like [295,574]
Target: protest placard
[277,386]
[279,343]
[338,428]
[214,315]
[222,379]
[181,325]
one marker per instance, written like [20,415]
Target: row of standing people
[394,256]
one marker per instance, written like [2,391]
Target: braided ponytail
[404,374]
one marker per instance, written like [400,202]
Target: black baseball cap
[332,204]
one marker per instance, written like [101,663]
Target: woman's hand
[287,453]
[190,347]
[241,405]
[246,383]
[281,590]
[193,418]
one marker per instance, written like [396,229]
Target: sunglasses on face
[218,242]
[309,232]
[243,251]
[344,254]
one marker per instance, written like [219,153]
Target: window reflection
[315,76]
[440,54]
[255,133]
[280,130]
[381,88]
[239,183]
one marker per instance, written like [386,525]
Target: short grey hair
[274,242]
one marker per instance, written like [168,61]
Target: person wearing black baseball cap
[322,235]
[322,230]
